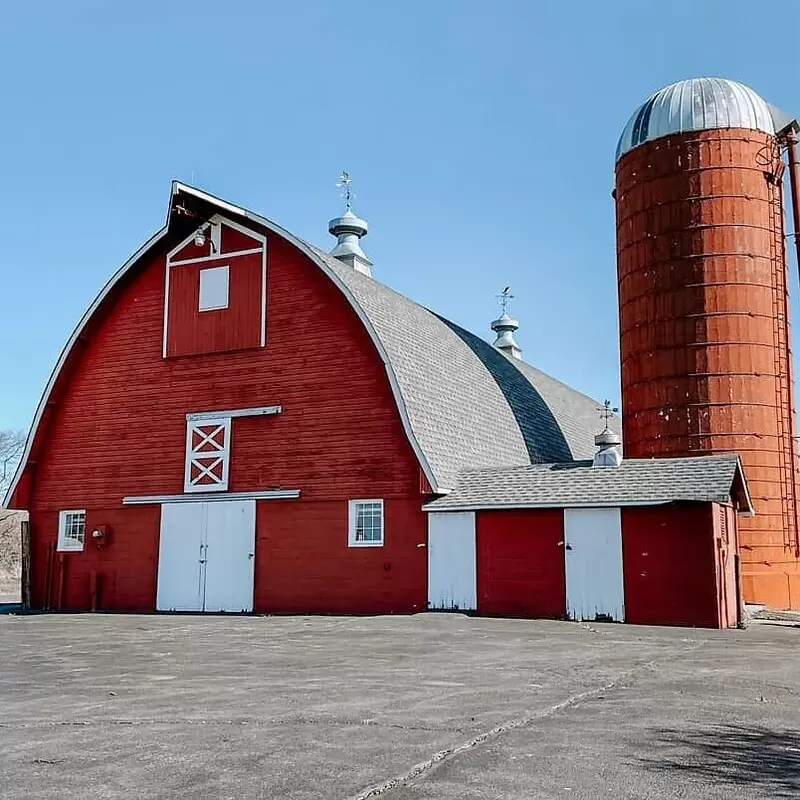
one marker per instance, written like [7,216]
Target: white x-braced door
[206,556]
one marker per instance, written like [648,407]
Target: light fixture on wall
[200,240]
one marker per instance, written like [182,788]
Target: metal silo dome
[694,105]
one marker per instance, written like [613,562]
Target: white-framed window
[366,523]
[214,284]
[208,450]
[71,530]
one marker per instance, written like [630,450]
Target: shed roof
[639,482]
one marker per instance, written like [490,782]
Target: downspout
[791,139]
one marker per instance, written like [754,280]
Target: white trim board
[251,252]
[261,411]
[503,506]
[274,494]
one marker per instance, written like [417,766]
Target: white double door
[593,543]
[206,556]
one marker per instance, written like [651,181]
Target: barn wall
[120,428]
[521,563]
[669,565]
[303,563]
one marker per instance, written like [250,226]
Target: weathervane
[345,184]
[607,411]
[505,297]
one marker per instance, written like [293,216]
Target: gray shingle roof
[578,483]
[470,405]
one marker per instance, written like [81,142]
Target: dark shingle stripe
[543,436]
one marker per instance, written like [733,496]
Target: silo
[704,313]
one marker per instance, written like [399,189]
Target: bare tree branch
[12,444]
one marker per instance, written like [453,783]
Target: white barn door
[180,558]
[206,556]
[593,551]
[451,562]
[230,555]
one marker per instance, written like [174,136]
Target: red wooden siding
[125,566]
[303,563]
[192,332]
[521,563]
[669,565]
[120,429]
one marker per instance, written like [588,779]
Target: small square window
[214,288]
[71,530]
[366,523]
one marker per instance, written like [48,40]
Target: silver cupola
[348,230]
[505,327]
[609,444]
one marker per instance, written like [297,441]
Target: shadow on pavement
[743,756]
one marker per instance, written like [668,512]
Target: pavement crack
[512,724]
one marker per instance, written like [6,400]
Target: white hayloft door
[452,582]
[593,553]
[206,556]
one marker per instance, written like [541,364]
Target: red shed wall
[670,569]
[120,426]
[520,563]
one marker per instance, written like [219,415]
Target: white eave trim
[177,188]
[155,499]
[37,417]
[261,411]
[431,507]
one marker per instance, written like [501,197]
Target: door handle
[250,555]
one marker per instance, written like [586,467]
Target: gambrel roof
[463,403]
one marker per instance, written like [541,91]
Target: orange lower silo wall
[704,328]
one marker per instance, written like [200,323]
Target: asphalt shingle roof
[469,405]
[578,483]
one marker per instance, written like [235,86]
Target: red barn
[242,422]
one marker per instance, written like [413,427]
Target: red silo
[704,313]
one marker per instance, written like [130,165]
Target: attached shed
[649,541]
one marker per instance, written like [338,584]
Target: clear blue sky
[480,136]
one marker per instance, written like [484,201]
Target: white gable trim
[177,188]
[215,223]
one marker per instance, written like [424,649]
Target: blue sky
[480,136]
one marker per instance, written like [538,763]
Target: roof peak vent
[609,453]
[349,229]
[505,327]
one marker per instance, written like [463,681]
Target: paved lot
[432,706]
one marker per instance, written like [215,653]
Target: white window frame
[207,460]
[219,305]
[352,508]
[68,544]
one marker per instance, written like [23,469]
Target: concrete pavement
[431,706]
